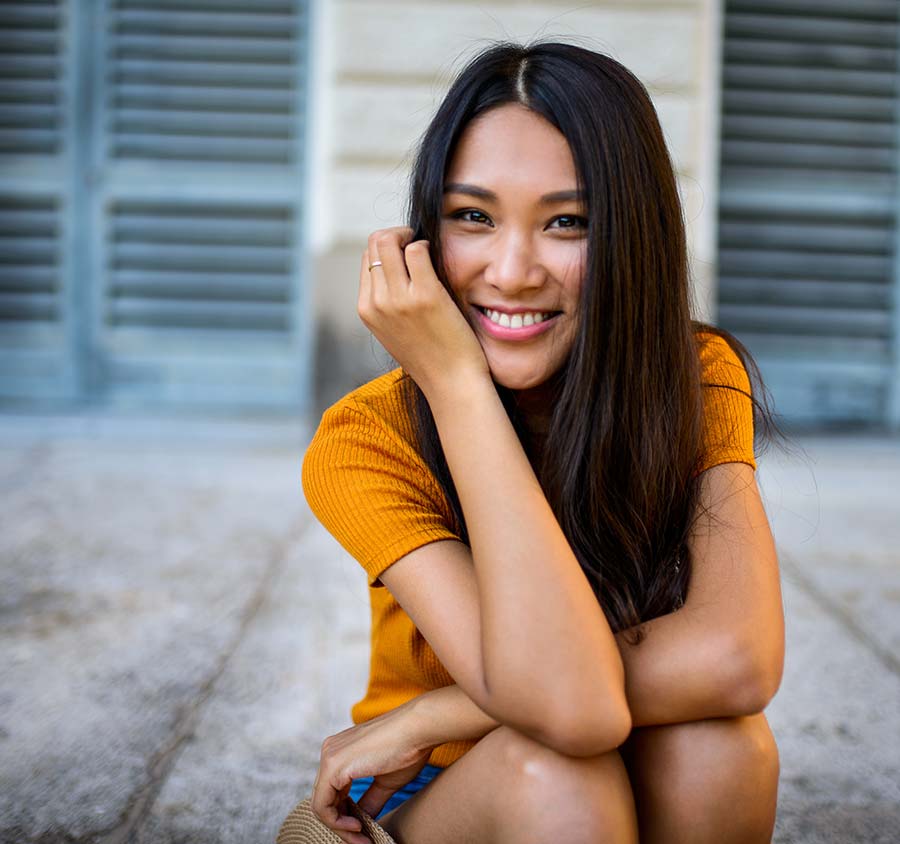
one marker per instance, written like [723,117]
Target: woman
[576,610]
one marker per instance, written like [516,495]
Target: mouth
[519,319]
[518,326]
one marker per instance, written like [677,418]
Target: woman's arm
[546,645]
[447,714]
[541,647]
[722,653]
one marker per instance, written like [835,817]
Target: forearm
[674,675]
[679,672]
[448,714]
[546,645]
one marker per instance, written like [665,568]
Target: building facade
[187,186]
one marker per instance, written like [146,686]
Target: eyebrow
[484,193]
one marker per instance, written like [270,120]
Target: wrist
[424,722]
[448,388]
[447,714]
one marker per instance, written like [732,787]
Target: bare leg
[705,781]
[510,788]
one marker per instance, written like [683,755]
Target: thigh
[704,781]
[510,788]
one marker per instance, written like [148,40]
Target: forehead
[511,146]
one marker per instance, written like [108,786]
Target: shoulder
[379,401]
[728,426]
[365,481]
[720,365]
[365,428]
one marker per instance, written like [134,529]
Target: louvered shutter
[808,201]
[37,345]
[199,152]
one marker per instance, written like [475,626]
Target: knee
[707,769]
[537,767]
[738,753]
[586,794]
[719,753]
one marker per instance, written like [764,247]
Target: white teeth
[516,320]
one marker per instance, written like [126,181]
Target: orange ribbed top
[367,484]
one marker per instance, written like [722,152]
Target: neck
[536,407]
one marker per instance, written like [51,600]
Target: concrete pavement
[179,634]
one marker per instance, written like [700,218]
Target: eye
[476,216]
[570,221]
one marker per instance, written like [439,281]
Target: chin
[517,380]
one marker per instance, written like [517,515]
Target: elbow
[756,679]
[576,730]
[592,734]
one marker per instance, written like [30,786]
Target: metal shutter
[36,320]
[199,144]
[808,205]
[154,239]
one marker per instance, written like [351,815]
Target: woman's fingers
[418,259]
[353,837]
[325,803]
[374,799]
[418,322]
[387,246]
[365,284]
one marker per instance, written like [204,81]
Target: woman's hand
[405,306]
[387,748]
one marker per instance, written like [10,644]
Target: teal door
[152,182]
[808,216]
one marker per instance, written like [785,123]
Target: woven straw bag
[302,826]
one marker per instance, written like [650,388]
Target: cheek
[462,253]
[459,262]
[572,270]
[572,264]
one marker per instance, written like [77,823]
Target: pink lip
[524,333]
[518,310]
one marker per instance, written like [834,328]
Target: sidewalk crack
[163,761]
[840,613]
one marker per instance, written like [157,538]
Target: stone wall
[380,69]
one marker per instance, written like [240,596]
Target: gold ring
[374,264]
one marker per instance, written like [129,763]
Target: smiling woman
[576,609]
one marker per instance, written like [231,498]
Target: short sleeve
[371,489]
[728,409]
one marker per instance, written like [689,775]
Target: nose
[513,266]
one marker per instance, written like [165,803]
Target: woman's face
[514,240]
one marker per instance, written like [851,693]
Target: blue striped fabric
[426,775]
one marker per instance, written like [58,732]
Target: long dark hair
[625,437]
